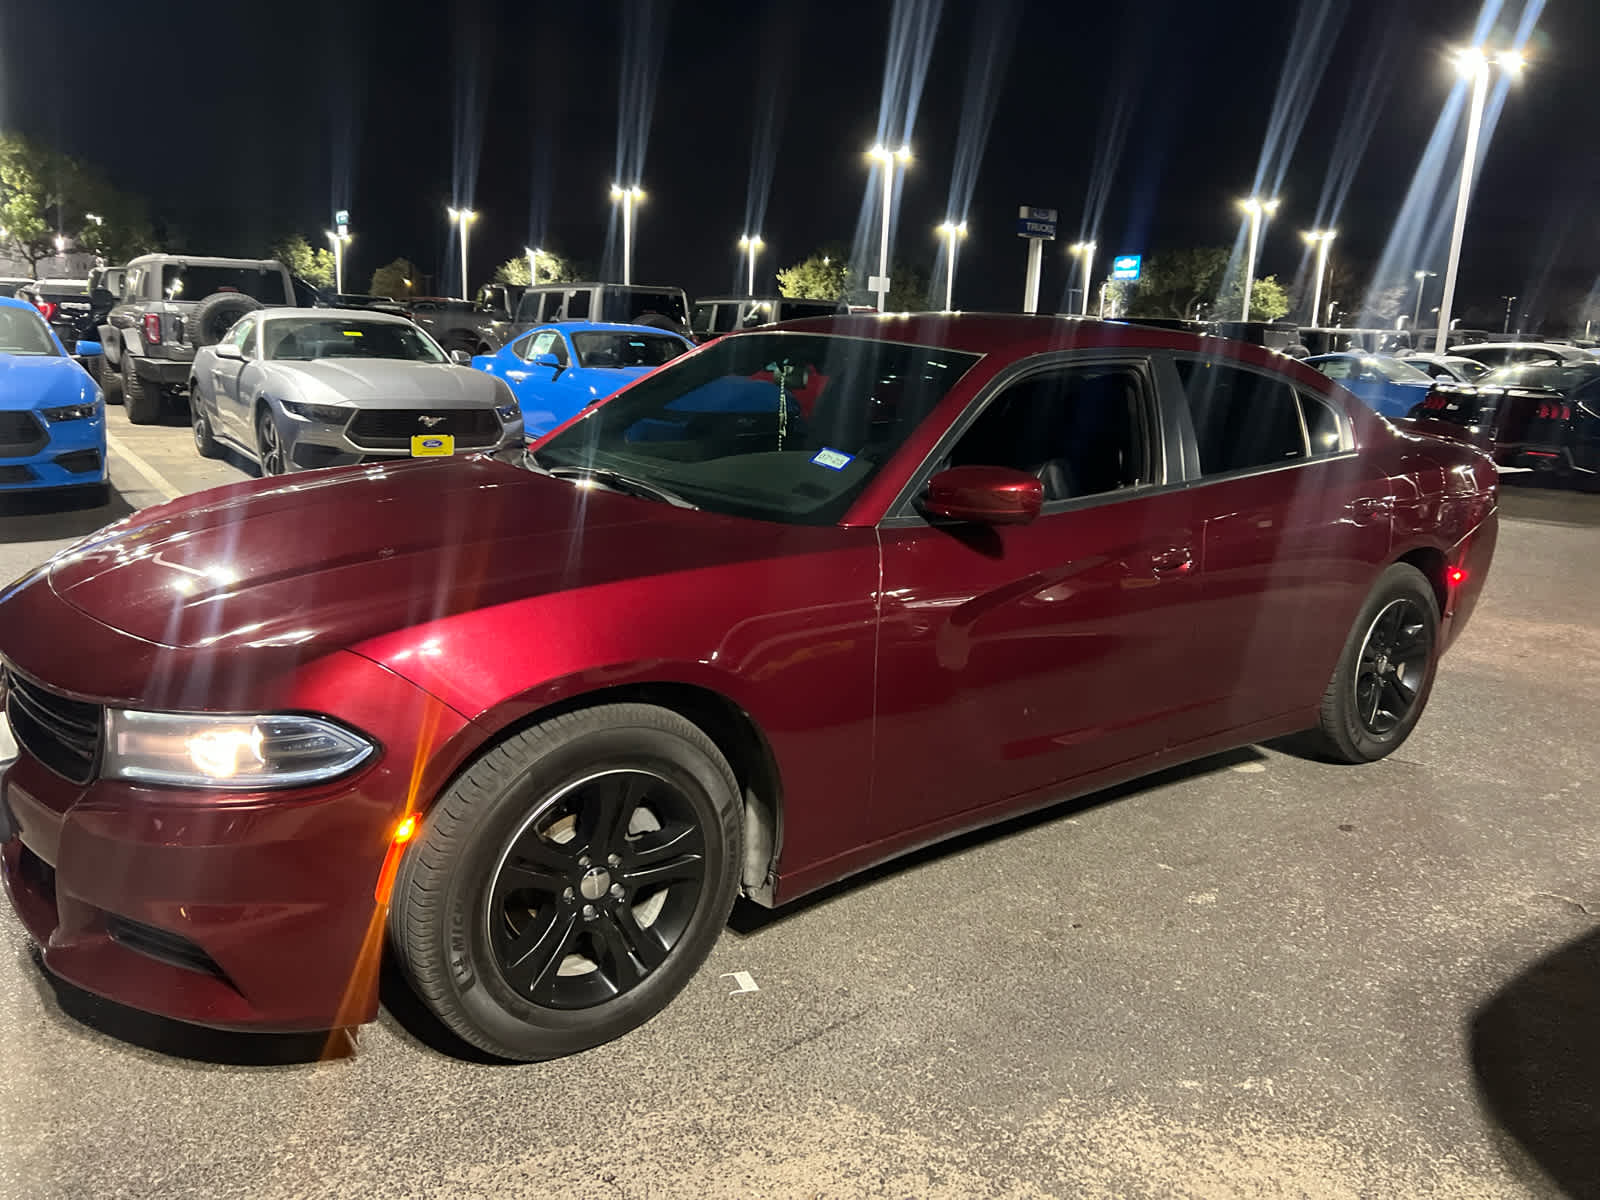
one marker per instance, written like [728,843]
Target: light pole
[338,241]
[1086,251]
[1321,239]
[1473,63]
[1257,208]
[751,244]
[1510,300]
[951,231]
[407,282]
[533,264]
[1421,277]
[462,217]
[887,158]
[629,196]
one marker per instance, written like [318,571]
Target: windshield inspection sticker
[834,460]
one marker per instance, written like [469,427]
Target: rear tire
[111,382]
[527,914]
[141,400]
[1385,673]
[204,441]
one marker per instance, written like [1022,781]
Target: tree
[908,288]
[1173,284]
[820,277]
[45,196]
[552,269]
[394,279]
[1268,300]
[316,267]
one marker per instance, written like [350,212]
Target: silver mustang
[298,388]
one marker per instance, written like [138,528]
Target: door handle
[1177,560]
[519,376]
[1368,507]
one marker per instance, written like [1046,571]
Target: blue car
[556,371]
[1387,386]
[52,416]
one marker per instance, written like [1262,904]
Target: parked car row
[52,415]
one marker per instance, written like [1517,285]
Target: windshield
[183,281]
[1396,371]
[302,339]
[604,349]
[626,305]
[784,427]
[23,331]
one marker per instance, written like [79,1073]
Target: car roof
[603,327]
[595,283]
[351,313]
[1015,334]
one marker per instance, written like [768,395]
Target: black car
[68,306]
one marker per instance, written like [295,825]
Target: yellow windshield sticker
[353,333]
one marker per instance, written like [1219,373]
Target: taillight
[152,328]
[47,309]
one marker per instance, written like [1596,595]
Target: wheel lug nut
[613,861]
[588,912]
[616,891]
[584,862]
[568,895]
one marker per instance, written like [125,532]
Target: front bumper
[73,454]
[313,444]
[254,911]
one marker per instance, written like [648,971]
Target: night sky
[243,122]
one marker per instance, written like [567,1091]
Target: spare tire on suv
[216,314]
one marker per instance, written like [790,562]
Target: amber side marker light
[403,833]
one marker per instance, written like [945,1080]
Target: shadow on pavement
[1536,1055]
[175,1039]
[61,512]
[405,1014]
[750,918]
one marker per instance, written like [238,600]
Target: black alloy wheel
[595,889]
[269,445]
[204,442]
[1394,660]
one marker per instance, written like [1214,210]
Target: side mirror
[461,358]
[984,495]
[87,349]
[546,360]
[228,350]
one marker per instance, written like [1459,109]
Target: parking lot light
[1259,210]
[887,159]
[1085,251]
[1472,63]
[533,264]
[951,231]
[751,244]
[1322,239]
[462,217]
[629,196]
[338,241]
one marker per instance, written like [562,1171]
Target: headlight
[244,752]
[328,414]
[74,412]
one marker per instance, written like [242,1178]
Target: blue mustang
[1387,385]
[556,371]
[52,416]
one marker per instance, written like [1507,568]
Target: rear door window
[578,305]
[1243,420]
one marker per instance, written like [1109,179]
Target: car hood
[33,381]
[390,381]
[327,560]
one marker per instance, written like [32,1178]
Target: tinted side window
[578,306]
[1079,429]
[1242,420]
[1323,427]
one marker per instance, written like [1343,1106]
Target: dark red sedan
[798,602]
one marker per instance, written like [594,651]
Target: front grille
[63,734]
[393,428]
[17,475]
[21,435]
[79,461]
[160,945]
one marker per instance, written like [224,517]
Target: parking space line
[152,476]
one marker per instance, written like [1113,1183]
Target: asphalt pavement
[1254,977]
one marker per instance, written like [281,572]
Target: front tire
[1385,674]
[142,402]
[270,451]
[571,882]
